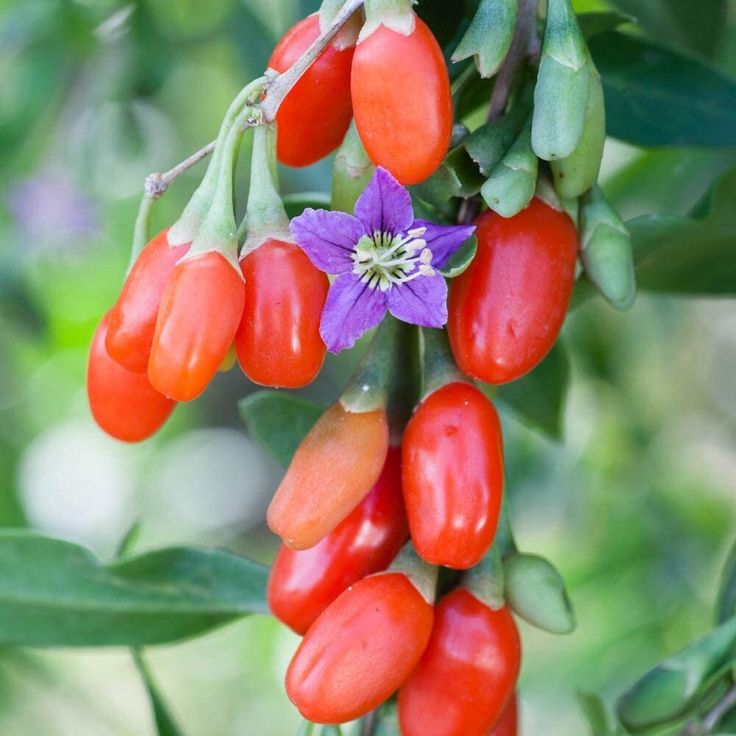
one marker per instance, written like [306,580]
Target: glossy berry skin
[123,403]
[314,117]
[467,673]
[507,309]
[132,320]
[508,724]
[199,315]
[402,102]
[332,471]
[360,650]
[302,584]
[452,467]
[278,341]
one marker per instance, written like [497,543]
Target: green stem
[142,228]
[438,364]
[380,368]
[421,573]
[265,216]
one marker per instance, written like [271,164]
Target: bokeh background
[636,505]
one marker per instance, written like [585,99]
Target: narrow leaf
[659,97]
[595,712]
[55,593]
[461,259]
[726,602]
[278,422]
[165,724]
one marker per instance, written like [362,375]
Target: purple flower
[385,260]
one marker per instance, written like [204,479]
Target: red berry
[402,101]
[123,403]
[452,468]
[314,117]
[508,724]
[199,316]
[278,341]
[507,309]
[360,650]
[332,471]
[302,584]
[132,321]
[467,673]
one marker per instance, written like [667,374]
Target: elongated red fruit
[402,101]
[314,117]
[331,472]
[507,309]
[278,341]
[123,403]
[360,649]
[467,673]
[508,724]
[452,470]
[302,584]
[132,320]
[199,316]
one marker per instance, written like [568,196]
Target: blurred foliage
[635,505]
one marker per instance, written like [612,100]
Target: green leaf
[387,720]
[658,97]
[536,591]
[539,397]
[165,724]
[457,176]
[595,712]
[673,689]
[726,601]
[55,593]
[690,255]
[295,204]
[461,258]
[278,421]
[591,24]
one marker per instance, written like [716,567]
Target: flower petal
[351,309]
[443,240]
[384,206]
[422,301]
[328,238]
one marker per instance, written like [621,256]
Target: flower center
[385,259]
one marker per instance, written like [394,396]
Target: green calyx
[351,172]
[489,36]
[667,693]
[576,174]
[398,15]
[536,592]
[563,85]
[381,378]
[511,184]
[421,573]
[185,228]
[265,216]
[486,580]
[606,251]
[438,364]
[142,228]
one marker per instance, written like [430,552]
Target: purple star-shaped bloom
[384,259]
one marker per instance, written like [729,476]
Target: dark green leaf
[461,259]
[659,97]
[295,204]
[278,421]
[55,593]
[688,255]
[726,602]
[457,176]
[595,712]
[165,724]
[673,689]
[539,397]
[387,721]
[591,24]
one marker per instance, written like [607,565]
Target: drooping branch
[277,87]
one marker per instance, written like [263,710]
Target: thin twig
[711,719]
[522,46]
[278,86]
